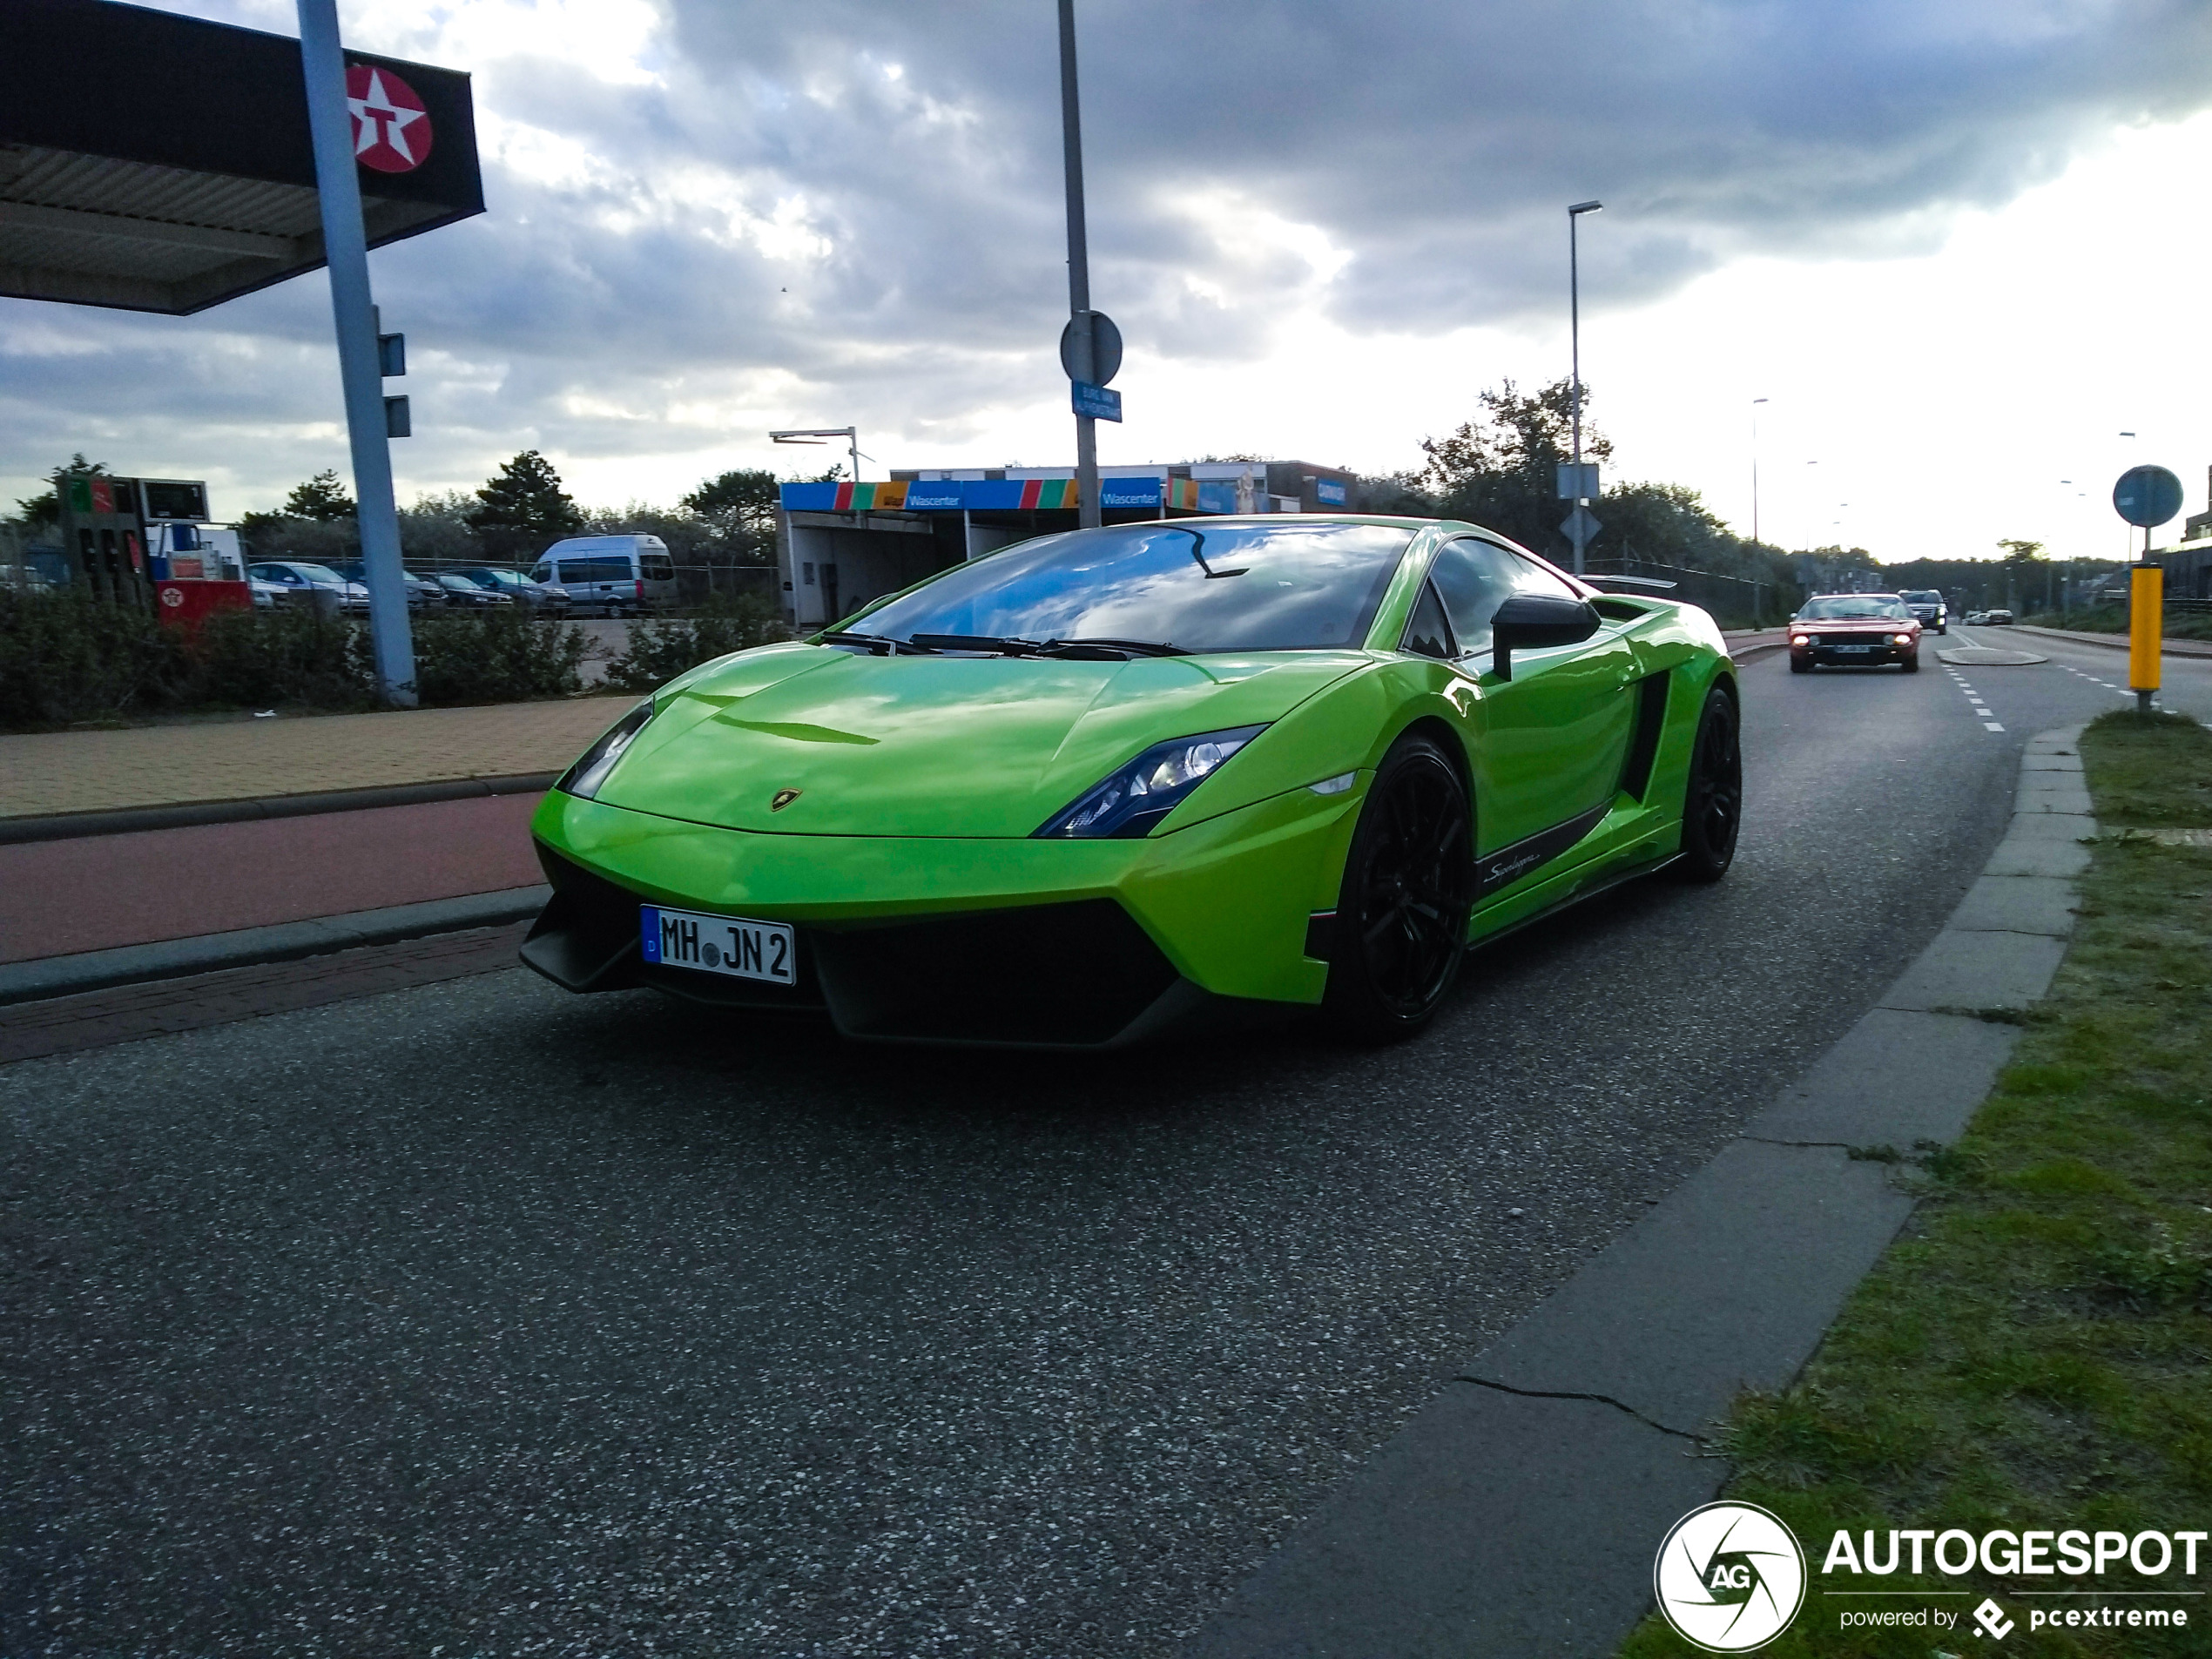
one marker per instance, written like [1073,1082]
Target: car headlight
[1130,802]
[583,779]
[1903,639]
[1799,640]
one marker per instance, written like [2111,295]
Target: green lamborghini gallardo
[1092,785]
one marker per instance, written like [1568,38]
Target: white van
[617,574]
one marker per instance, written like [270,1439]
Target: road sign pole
[2145,602]
[1071,140]
[360,364]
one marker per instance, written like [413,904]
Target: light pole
[1755,470]
[1574,317]
[368,429]
[1580,525]
[1079,316]
[818,434]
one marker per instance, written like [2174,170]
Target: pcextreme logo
[1729,1577]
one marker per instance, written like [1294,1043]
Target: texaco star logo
[391,128]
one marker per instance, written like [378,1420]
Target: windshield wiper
[976,642]
[1109,648]
[882,642]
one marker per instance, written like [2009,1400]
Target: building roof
[153,162]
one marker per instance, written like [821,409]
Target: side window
[658,567]
[1530,577]
[1427,634]
[1475,578]
[541,572]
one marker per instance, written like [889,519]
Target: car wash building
[840,546]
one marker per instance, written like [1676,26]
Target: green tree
[1499,470]
[740,508]
[525,497]
[46,508]
[322,498]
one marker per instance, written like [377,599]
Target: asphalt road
[480,1320]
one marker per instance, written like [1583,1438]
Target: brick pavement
[84,771]
[66,1024]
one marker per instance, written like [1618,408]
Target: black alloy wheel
[1408,886]
[1712,805]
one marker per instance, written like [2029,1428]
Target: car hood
[967,746]
[1856,625]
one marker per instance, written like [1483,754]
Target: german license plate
[1861,649]
[727,945]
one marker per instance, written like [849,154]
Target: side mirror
[1529,621]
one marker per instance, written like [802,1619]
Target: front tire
[1800,666]
[1712,806]
[1911,664]
[1408,886]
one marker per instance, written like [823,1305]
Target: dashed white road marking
[1991,725]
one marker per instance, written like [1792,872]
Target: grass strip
[2032,1353]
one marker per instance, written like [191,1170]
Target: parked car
[419,593]
[1854,631]
[1999,619]
[545,596]
[1927,607]
[460,590]
[620,575]
[298,580]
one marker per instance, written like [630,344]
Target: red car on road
[1854,631]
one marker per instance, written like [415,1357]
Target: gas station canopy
[151,162]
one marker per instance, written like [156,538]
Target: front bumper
[1836,657]
[1051,943]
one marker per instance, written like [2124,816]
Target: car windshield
[1922,597]
[1196,586]
[453,581]
[317,572]
[1855,607]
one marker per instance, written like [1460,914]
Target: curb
[60,826]
[2119,642]
[1518,1513]
[100,970]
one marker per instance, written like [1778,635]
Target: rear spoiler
[1628,583]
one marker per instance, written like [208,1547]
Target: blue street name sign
[1097,401]
[2147,496]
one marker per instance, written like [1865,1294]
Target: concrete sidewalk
[1517,1515]
[50,773]
[2117,642]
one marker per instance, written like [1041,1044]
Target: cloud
[706,218]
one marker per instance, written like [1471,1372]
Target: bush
[280,657]
[66,656]
[500,655]
[659,650]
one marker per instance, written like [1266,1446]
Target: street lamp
[1579,522]
[1575,312]
[1755,470]
[819,434]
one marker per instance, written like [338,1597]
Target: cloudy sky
[1958,245]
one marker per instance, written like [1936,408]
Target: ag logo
[782,798]
[1729,1577]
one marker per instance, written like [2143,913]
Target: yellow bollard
[2145,601]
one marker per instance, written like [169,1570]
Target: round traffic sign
[2147,496]
[1105,346]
